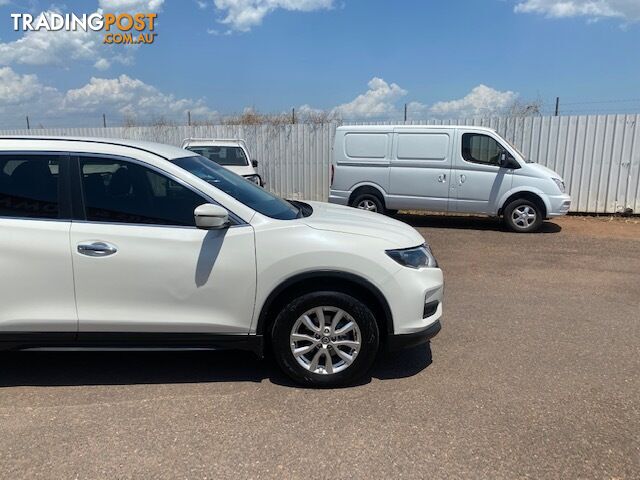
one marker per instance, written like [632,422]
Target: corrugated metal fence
[598,156]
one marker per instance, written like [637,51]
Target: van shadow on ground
[465,222]
[135,368]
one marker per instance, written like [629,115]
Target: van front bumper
[560,205]
[339,197]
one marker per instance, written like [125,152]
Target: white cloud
[116,97]
[242,15]
[628,10]
[481,101]
[385,101]
[377,102]
[50,48]
[143,6]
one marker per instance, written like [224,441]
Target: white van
[457,169]
[231,154]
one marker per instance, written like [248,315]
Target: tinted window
[123,192]
[227,156]
[29,186]
[242,190]
[478,148]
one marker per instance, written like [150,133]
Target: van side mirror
[254,163]
[507,161]
[211,217]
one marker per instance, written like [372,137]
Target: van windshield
[518,150]
[244,191]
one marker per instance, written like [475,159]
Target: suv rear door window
[29,186]
[118,191]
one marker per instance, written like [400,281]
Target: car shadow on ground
[134,368]
[466,222]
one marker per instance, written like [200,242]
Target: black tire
[286,320]
[369,197]
[519,227]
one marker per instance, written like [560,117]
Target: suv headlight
[254,179]
[560,184]
[417,257]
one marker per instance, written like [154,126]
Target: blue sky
[361,58]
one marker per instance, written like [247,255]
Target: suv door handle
[462,179]
[97,249]
[442,177]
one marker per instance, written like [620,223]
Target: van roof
[391,128]
[168,152]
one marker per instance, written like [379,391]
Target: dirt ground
[536,374]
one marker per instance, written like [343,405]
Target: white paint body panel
[177,279]
[37,291]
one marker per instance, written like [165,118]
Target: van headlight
[560,184]
[254,179]
[417,257]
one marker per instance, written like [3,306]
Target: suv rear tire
[334,335]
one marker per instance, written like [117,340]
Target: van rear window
[366,145]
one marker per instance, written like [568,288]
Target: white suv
[118,244]
[231,154]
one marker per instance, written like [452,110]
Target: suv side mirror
[254,163]
[507,161]
[211,217]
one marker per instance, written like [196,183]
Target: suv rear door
[37,291]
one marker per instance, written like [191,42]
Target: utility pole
[405,113]
[557,106]
[293,115]
[104,120]
[28,126]
[189,118]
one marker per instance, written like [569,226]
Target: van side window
[29,186]
[479,148]
[117,191]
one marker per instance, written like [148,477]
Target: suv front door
[154,271]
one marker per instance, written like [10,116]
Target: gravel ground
[536,374]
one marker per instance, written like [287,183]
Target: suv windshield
[225,156]
[242,190]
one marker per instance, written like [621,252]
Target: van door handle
[442,177]
[97,249]
[463,178]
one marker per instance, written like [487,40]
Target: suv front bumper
[408,340]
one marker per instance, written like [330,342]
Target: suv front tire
[325,339]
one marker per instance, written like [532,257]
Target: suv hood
[240,169]
[336,218]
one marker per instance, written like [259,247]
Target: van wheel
[370,202]
[325,339]
[523,216]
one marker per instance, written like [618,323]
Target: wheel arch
[533,195]
[330,280]
[373,188]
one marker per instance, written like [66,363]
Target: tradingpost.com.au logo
[119,28]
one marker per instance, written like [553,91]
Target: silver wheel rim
[368,205]
[325,340]
[524,216]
